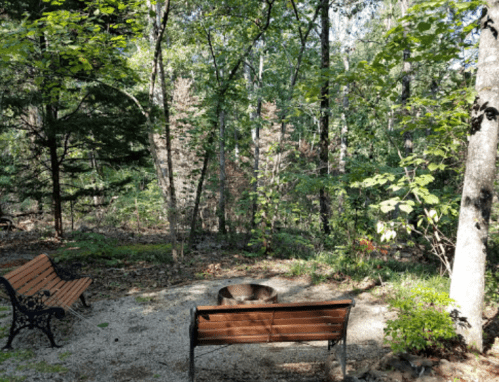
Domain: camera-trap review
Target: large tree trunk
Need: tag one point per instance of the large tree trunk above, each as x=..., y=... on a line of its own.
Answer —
x=324, y=118
x=467, y=285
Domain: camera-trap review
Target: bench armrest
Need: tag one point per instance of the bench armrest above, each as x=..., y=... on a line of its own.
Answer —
x=70, y=272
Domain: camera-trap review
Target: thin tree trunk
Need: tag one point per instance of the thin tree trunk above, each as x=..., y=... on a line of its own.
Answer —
x=256, y=143
x=406, y=82
x=344, y=127
x=172, y=208
x=56, y=186
x=199, y=190
x=344, y=133
x=324, y=118
x=468, y=275
x=221, y=201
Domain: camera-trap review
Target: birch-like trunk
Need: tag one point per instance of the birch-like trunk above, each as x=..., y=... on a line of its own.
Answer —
x=406, y=82
x=468, y=281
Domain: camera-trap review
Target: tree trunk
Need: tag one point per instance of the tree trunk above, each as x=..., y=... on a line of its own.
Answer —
x=172, y=202
x=467, y=282
x=199, y=189
x=344, y=127
x=56, y=187
x=221, y=201
x=324, y=118
x=406, y=82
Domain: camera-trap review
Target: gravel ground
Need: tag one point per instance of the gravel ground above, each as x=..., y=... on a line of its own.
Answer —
x=147, y=340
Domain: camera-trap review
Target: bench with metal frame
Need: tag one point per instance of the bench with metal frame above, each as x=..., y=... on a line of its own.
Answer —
x=39, y=290
x=265, y=323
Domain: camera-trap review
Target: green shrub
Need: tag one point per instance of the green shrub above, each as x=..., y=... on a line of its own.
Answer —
x=97, y=246
x=422, y=321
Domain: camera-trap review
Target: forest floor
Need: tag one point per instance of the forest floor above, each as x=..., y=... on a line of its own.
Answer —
x=146, y=307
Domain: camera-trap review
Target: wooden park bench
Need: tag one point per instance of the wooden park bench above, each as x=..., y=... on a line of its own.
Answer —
x=265, y=323
x=39, y=290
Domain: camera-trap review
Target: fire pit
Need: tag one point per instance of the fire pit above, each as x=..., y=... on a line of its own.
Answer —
x=247, y=294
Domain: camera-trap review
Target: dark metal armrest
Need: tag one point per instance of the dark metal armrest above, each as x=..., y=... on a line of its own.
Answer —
x=70, y=272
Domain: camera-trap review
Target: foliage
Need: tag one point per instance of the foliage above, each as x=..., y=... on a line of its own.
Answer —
x=94, y=246
x=422, y=321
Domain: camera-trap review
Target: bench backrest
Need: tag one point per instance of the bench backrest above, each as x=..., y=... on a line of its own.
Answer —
x=34, y=276
x=217, y=325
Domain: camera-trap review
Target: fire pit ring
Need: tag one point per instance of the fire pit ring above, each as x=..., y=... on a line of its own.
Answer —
x=247, y=294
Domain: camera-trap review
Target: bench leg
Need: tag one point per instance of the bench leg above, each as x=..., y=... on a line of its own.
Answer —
x=82, y=298
x=31, y=320
x=192, y=343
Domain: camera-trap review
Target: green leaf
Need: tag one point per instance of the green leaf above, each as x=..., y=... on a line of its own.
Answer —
x=103, y=325
x=406, y=208
x=423, y=26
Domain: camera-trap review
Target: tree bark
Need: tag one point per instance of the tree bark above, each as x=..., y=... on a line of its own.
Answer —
x=467, y=282
x=172, y=202
x=324, y=118
x=221, y=201
x=406, y=82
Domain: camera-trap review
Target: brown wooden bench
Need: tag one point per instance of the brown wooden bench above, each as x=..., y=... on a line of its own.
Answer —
x=265, y=323
x=39, y=290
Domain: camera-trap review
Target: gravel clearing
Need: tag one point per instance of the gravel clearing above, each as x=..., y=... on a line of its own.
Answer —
x=147, y=339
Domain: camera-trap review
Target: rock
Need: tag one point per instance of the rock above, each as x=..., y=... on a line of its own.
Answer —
x=447, y=368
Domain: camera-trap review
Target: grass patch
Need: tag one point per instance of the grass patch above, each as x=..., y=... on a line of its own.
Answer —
x=43, y=367
x=64, y=355
x=12, y=379
x=144, y=299
x=86, y=246
x=21, y=355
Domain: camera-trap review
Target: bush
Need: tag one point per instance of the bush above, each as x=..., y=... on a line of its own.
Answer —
x=422, y=322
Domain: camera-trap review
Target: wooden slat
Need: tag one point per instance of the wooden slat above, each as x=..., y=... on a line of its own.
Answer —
x=334, y=304
x=28, y=274
x=75, y=291
x=69, y=293
x=246, y=316
x=39, y=260
x=36, y=283
x=273, y=338
x=274, y=329
x=279, y=314
x=206, y=325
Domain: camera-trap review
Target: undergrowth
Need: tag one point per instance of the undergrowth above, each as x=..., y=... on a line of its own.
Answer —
x=94, y=246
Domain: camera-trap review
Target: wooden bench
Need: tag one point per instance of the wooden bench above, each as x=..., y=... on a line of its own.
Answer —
x=265, y=323
x=39, y=290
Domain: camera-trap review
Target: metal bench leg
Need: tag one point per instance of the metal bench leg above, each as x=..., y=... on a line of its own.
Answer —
x=192, y=343
x=82, y=298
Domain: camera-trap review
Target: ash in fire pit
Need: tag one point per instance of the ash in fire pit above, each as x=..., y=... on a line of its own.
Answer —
x=246, y=294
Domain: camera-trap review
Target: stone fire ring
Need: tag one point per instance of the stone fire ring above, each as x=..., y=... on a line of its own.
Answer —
x=246, y=294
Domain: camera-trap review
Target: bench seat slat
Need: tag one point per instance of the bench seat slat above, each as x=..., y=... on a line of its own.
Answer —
x=73, y=292
x=36, y=283
x=274, y=329
x=336, y=304
x=279, y=314
x=14, y=275
x=28, y=275
x=207, y=325
x=273, y=338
